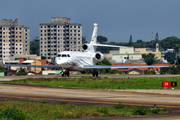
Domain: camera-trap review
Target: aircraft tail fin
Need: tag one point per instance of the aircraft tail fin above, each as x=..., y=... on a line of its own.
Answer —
x=93, y=44
x=94, y=35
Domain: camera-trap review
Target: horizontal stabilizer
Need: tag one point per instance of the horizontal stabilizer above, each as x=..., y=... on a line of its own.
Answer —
x=104, y=45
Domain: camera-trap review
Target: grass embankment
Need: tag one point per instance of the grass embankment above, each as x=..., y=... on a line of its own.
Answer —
x=28, y=110
x=101, y=83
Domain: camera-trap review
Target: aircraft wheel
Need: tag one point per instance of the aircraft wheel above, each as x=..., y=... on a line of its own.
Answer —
x=63, y=75
x=67, y=73
x=96, y=73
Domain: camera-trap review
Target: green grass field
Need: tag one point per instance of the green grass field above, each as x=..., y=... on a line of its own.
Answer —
x=43, y=111
x=101, y=83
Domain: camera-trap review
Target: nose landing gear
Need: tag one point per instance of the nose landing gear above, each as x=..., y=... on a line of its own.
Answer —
x=65, y=73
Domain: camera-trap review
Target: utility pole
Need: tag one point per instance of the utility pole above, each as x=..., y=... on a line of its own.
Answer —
x=157, y=37
x=130, y=41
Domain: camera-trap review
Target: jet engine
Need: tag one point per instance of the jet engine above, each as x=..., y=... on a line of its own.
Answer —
x=99, y=56
x=85, y=47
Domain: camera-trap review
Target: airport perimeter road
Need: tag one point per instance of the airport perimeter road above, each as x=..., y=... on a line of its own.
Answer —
x=9, y=78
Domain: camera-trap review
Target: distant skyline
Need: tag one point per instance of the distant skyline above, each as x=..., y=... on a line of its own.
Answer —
x=116, y=19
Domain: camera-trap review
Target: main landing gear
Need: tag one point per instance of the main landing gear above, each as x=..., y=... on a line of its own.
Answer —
x=65, y=73
x=95, y=73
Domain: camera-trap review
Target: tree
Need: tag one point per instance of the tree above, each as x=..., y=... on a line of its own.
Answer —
x=177, y=60
x=101, y=39
x=157, y=37
x=164, y=70
x=102, y=49
x=2, y=68
x=170, y=57
x=34, y=46
x=43, y=57
x=84, y=39
x=21, y=71
x=149, y=59
x=170, y=43
x=139, y=41
x=104, y=71
x=104, y=62
x=130, y=41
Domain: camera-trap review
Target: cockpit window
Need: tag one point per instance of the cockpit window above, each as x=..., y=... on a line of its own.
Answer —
x=64, y=55
x=59, y=55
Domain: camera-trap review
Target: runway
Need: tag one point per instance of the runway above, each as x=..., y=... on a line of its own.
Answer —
x=92, y=97
x=87, y=97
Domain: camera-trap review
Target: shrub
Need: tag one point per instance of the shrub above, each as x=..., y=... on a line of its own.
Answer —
x=12, y=113
x=103, y=110
x=119, y=106
x=150, y=72
x=142, y=110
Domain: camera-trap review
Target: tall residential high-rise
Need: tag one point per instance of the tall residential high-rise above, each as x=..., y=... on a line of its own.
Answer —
x=59, y=35
x=14, y=38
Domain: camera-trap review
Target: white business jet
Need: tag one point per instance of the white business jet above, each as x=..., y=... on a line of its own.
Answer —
x=82, y=61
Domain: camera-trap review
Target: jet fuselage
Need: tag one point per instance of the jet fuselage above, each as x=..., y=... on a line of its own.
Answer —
x=73, y=60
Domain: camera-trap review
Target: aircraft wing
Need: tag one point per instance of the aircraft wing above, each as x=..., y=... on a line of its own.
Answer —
x=41, y=66
x=133, y=66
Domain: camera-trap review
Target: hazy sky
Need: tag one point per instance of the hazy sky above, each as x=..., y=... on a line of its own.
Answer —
x=117, y=19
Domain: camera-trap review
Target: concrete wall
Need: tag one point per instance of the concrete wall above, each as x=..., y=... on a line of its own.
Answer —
x=1, y=73
x=122, y=58
x=140, y=50
x=126, y=50
x=134, y=73
x=9, y=22
x=36, y=70
x=61, y=20
x=48, y=72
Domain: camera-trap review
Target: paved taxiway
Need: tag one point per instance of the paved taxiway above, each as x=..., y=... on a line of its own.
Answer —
x=9, y=78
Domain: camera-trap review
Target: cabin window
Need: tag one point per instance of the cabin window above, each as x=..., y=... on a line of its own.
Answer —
x=68, y=55
x=59, y=55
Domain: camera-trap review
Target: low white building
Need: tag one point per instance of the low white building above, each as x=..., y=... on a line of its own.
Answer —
x=126, y=54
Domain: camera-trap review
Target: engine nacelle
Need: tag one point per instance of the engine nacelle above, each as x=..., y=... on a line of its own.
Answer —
x=85, y=47
x=99, y=56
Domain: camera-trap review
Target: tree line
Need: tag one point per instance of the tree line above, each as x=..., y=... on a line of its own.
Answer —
x=164, y=44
